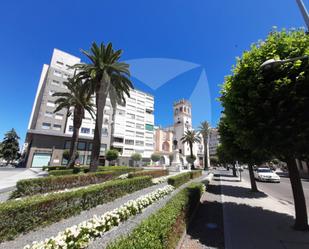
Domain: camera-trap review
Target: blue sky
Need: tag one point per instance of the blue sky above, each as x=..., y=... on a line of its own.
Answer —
x=208, y=33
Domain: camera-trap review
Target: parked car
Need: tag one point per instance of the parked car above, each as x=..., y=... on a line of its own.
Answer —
x=266, y=175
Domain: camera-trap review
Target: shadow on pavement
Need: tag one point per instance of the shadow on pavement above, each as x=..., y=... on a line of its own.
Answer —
x=236, y=191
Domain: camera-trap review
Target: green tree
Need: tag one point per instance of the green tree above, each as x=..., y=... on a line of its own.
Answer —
x=190, y=137
x=79, y=99
x=204, y=129
x=268, y=106
x=136, y=157
x=104, y=74
x=214, y=160
x=112, y=155
x=155, y=157
x=10, y=146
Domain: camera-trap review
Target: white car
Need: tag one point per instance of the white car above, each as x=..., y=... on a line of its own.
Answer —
x=266, y=175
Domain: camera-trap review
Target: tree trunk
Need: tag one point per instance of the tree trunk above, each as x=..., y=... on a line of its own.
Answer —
x=301, y=218
x=101, y=95
x=191, y=155
x=252, y=179
x=206, y=154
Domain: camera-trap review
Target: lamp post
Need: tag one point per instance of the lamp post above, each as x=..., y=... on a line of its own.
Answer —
x=272, y=62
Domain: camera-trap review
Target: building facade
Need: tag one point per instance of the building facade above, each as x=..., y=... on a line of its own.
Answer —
x=214, y=141
x=182, y=116
x=129, y=127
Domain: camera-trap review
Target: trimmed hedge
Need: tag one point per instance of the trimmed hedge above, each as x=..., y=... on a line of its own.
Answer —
x=64, y=167
x=182, y=178
x=53, y=183
x=163, y=229
x=153, y=173
x=60, y=172
x=124, y=169
x=20, y=216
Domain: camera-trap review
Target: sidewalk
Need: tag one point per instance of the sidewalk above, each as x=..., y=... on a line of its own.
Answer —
x=232, y=217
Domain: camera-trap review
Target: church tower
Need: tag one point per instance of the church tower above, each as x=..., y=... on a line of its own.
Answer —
x=182, y=122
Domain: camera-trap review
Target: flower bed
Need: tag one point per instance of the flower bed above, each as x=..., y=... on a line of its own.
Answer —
x=54, y=183
x=159, y=180
x=164, y=228
x=79, y=236
x=153, y=173
x=19, y=216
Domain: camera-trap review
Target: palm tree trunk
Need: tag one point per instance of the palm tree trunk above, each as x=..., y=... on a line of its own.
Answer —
x=77, y=122
x=101, y=96
x=206, y=154
x=252, y=179
x=191, y=155
x=301, y=217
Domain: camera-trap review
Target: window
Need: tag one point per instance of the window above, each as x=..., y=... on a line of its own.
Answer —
x=57, y=73
x=66, y=76
x=140, y=118
x=57, y=127
x=149, y=127
x=106, y=121
x=46, y=126
x=48, y=114
x=103, y=149
x=118, y=139
x=139, y=143
x=85, y=130
x=176, y=111
x=140, y=126
x=104, y=131
x=120, y=112
x=130, y=124
x=92, y=131
x=180, y=109
x=59, y=63
x=59, y=116
x=88, y=160
x=81, y=146
x=140, y=134
x=149, y=144
x=50, y=103
x=67, y=145
x=129, y=133
x=51, y=92
x=131, y=116
x=90, y=146
x=55, y=82
x=80, y=159
x=129, y=141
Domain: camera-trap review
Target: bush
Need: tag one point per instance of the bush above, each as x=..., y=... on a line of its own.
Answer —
x=155, y=157
x=179, y=179
x=182, y=178
x=195, y=174
x=190, y=159
x=153, y=173
x=112, y=155
x=54, y=183
x=124, y=169
x=61, y=172
x=164, y=228
x=20, y=216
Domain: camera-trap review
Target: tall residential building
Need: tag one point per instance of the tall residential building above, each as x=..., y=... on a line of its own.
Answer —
x=49, y=133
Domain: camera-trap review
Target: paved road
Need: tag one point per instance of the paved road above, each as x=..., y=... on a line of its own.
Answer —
x=282, y=190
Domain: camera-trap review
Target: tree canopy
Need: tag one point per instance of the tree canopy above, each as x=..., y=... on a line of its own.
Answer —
x=10, y=146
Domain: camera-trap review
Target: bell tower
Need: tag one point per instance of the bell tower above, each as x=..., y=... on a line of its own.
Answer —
x=182, y=122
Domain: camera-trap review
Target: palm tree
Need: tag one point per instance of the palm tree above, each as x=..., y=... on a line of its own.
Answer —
x=78, y=98
x=103, y=75
x=190, y=137
x=204, y=129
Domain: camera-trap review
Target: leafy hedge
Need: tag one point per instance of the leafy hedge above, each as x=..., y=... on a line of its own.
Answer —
x=53, y=183
x=163, y=229
x=20, y=216
x=153, y=173
x=182, y=178
x=124, y=169
x=60, y=172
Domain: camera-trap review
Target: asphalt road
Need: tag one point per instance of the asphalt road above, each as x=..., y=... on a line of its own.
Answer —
x=282, y=190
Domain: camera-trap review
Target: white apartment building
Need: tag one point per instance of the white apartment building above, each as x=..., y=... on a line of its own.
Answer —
x=49, y=133
x=214, y=141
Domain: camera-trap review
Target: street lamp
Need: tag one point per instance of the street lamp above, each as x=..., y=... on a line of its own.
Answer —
x=272, y=62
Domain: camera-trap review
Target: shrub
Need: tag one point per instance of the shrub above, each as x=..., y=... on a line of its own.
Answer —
x=153, y=173
x=155, y=157
x=195, y=174
x=179, y=179
x=61, y=172
x=112, y=155
x=164, y=228
x=54, y=183
x=190, y=159
x=19, y=216
x=124, y=169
